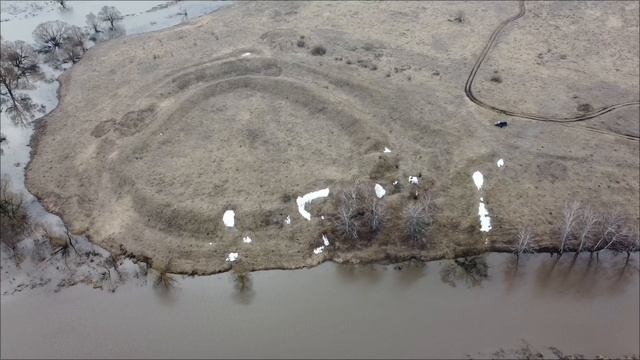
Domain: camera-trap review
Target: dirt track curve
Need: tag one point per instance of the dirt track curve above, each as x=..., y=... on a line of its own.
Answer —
x=468, y=89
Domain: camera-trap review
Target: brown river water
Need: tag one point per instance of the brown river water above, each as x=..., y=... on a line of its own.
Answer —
x=439, y=310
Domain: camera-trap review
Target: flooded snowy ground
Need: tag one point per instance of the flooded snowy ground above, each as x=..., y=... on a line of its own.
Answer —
x=19, y=19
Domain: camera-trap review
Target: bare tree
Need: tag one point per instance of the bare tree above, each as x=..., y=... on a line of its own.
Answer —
x=62, y=3
x=21, y=56
x=418, y=219
x=522, y=242
x=78, y=38
x=571, y=212
x=71, y=53
x=349, y=203
x=14, y=220
x=111, y=15
x=50, y=36
x=587, y=221
x=93, y=22
x=376, y=214
x=8, y=80
x=611, y=228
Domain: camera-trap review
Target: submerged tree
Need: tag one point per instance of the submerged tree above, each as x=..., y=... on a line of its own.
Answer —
x=50, y=36
x=111, y=15
x=471, y=271
x=17, y=62
x=14, y=220
x=78, y=38
x=93, y=22
x=21, y=56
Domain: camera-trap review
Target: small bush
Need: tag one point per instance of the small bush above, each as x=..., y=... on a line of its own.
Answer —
x=418, y=220
x=318, y=50
x=496, y=79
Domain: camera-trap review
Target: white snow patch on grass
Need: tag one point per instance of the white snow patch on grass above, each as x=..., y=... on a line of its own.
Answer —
x=246, y=240
x=232, y=257
x=210, y=244
x=414, y=180
x=485, y=220
x=380, y=191
x=246, y=54
x=387, y=150
x=478, y=179
x=500, y=163
x=303, y=200
x=318, y=250
x=229, y=218
x=395, y=182
x=325, y=240
x=288, y=220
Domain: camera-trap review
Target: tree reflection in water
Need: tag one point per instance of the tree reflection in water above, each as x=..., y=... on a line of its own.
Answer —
x=471, y=271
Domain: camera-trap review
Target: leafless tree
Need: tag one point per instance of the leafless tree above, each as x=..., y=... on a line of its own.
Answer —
x=62, y=3
x=17, y=61
x=610, y=229
x=587, y=223
x=571, y=212
x=14, y=220
x=21, y=56
x=9, y=81
x=418, y=219
x=164, y=280
x=376, y=214
x=78, y=38
x=93, y=22
x=111, y=15
x=522, y=242
x=50, y=36
x=71, y=53
x=348, y=204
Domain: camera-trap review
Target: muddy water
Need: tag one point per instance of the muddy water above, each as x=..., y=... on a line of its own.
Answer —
x=338, y=311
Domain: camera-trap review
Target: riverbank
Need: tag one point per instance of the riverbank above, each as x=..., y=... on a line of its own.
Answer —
x=244, y=119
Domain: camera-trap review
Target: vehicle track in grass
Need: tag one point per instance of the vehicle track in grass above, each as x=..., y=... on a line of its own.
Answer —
x=468, y=89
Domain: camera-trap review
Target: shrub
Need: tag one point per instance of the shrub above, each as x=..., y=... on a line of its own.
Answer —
x=418, y=220
x=318, y=50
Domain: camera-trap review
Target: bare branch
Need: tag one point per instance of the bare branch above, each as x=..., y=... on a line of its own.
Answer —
x=571, y=212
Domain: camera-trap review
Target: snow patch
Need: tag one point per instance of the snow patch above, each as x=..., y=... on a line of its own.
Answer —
x=325, y=240
x=478, y=179
x=485, y=220
x=287, y=220
x=380, y=191
x=500, y=163
x=246, y=240
x=245, y=54
x=229, y=218
x=395, y=182
x=318, y=250
x=386, y=150
x=303, y=200
x=414, y=180
x=232, y=257
x=210, y=244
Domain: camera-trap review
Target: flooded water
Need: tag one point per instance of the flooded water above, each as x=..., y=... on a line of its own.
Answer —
x=585, y=306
